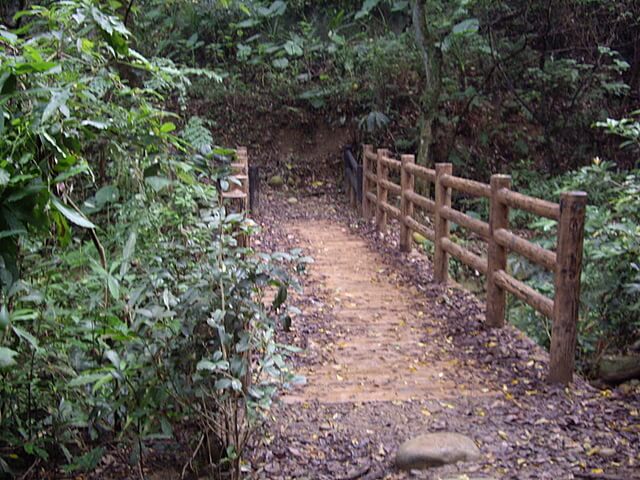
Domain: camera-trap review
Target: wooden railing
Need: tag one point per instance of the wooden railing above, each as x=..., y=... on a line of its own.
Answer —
x=352, y=177
x=244, y=186
x=564, y=263
x=242, y=195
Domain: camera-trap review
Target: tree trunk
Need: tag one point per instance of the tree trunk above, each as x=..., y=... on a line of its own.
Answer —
x=426, y=42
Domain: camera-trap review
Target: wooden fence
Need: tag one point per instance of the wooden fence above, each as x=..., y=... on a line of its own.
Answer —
x=242, y=195
x=564, y=262
x=244, y=186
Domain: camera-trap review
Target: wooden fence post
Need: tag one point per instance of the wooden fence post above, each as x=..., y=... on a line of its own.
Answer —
x=498, y=218
x=254, y=189
x=382, y=193
x=366, y=204
x=443, y=199
x=407, y=184
x=567, y=286
x=345, y=165
x=359, y=184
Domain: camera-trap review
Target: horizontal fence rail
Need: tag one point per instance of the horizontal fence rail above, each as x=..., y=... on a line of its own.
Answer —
x=373, y=191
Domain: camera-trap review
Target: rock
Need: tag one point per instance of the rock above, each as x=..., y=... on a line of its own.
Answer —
x=436, y=449
x=618, y=369
x=418, y=238
x=276, y=181
x=292, y=200
x=627, y=388
x=607, y=452
x=467, y=477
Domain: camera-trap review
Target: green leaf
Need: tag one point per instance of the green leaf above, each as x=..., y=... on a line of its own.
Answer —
x=367, y=6
x=280, y=63
x=8, y=36
x=129, y=247
x=8, y=83
x=221, y=365
x=4, y=178
x=74, y=217
x=95, y=124
x=4, y=317
x=107, y=194
x=470, y=25
x=222, y=384
x=85, y=379
x=113, y=357
x=7, y=357
x=23, y=334
x=114, y=286
x=281, y=297
x=293, y=48
x=58, y=102
x=157, y=183
x=87, y=462
x=167, y=127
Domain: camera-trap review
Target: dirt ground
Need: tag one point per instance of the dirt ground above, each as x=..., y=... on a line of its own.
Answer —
x=388, y=355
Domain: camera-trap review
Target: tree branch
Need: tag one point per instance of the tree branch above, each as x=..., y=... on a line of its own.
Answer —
x=127, y=12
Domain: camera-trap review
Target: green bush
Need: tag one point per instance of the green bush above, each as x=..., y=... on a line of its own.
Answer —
x=610, y=304
x=128, y=310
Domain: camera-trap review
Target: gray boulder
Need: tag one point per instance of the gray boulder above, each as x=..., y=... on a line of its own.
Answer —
x=435, y=450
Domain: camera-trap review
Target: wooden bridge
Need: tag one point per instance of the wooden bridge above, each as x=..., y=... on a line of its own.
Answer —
x=369, y=186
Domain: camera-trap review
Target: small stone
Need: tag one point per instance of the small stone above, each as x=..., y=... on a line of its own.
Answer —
x=435, y=450
x=276, y=181
x=292, y=200
x=467, y=477
x=607, y=452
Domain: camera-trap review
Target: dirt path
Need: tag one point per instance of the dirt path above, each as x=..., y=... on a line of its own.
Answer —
x=389, y=355
x=390, y=348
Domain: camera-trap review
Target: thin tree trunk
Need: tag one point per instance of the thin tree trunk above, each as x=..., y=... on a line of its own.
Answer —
x=432, y=64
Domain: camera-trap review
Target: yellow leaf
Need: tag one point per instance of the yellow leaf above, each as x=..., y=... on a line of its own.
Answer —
x=503, y=435
x=426, y=412
x=597, y=470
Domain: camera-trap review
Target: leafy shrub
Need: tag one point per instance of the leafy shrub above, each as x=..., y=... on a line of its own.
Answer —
x=610, y=304
x=128, y=311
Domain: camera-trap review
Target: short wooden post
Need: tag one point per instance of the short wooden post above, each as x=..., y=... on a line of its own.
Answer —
x=567, y=286
x=407, y=183
x=443, y=199
x=359, y=184
x=382, y=192
x=254, y=189
x=497, y=255
x=366, y=204
x=345, y=165
x=352, y=190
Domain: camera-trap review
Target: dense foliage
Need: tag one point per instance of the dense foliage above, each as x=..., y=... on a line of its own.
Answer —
x=116, y=256
x=129, y=313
